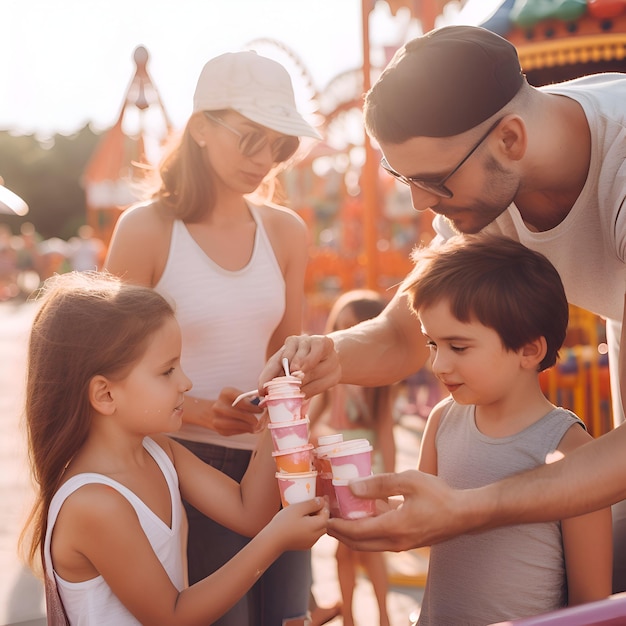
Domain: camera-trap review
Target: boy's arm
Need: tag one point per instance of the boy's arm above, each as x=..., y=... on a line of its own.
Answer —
x=587, y=542
x=384, y=428
x=427, y=461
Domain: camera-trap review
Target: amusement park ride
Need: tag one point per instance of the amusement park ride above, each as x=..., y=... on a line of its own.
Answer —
x=362, y=226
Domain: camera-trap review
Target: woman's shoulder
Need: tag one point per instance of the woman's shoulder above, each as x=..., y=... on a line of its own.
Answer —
x=140, y=244
x=148, y=216
x=279, y=213
x=275, y=214
x=145, y=224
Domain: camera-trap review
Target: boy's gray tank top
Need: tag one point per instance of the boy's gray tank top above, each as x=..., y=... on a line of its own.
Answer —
x=500, y=574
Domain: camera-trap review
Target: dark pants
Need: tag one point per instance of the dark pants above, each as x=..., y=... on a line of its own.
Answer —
x=283, y=590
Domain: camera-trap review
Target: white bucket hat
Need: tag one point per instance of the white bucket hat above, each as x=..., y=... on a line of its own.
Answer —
x=258, y=88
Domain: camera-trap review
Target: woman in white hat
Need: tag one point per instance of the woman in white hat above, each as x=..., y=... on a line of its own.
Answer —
x=235, y=271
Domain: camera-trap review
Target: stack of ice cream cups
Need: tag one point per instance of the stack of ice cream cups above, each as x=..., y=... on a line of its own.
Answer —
x=290, y=436
x=337, y=463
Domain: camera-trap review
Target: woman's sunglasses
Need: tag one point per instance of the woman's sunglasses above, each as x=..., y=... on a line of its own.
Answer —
x=254, y=141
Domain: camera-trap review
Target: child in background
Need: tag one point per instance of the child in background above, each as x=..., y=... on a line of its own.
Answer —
x=104, y=378
x=358, y=412
x=494, y=314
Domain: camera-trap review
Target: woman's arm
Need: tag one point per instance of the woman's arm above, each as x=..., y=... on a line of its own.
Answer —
x=289, y=238
x=139, y=245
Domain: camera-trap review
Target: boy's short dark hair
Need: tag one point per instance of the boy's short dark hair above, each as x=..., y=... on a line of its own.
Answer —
x=497, y=281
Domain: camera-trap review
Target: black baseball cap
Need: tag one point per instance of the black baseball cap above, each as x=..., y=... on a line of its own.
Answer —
x=442, y=84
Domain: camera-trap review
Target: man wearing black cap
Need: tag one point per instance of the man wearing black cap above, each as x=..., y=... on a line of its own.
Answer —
x=482, y=149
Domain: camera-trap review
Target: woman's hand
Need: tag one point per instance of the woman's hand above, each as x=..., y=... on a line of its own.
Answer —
x=219, y=415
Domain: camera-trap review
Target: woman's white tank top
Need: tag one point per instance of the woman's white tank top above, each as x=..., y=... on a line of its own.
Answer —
x=227, y=319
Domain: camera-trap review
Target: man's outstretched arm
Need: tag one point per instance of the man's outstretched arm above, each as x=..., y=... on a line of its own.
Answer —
x=587, y=479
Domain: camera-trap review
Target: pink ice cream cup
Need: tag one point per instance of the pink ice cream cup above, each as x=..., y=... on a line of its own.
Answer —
x=284, y=408
x=293, y=434
x=325, y=482
x=296, y=487
x=325, y=440
x=283, y=385
x=294, y=459
x=351, y=507
x=325, y=471
x=351, y=459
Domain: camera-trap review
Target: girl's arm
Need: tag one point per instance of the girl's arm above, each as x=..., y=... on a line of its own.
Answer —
x=106, y=538
x=587, y=542
x=244, y=508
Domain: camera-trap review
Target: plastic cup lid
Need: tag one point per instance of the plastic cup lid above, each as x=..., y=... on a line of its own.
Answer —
x=288, y=424
x=283, y=396
x=308, y=446
x=282, y=380
x=350, y=444
x=294, y=475
x=338, y=452
x=325, y=440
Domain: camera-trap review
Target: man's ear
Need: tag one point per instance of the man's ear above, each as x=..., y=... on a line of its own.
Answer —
x=100, y=395
x=534, y=352
x=513, y=136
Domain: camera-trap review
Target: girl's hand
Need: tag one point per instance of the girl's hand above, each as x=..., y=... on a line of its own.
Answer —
x=299, y=526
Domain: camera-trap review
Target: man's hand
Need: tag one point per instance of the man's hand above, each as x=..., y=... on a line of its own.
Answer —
x=426, y=515
x=312, y=356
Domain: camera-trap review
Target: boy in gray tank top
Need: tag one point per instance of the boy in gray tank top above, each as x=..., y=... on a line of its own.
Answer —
x=494, y=314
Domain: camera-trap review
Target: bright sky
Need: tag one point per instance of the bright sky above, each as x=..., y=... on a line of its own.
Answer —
x=66, y=63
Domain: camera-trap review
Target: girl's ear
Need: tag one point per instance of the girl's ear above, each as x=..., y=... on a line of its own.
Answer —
x=100, y=395
x=534, y=352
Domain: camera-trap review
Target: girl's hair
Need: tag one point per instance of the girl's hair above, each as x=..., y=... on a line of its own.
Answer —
x=499, y=282
x=365, y=304
x=89, y=323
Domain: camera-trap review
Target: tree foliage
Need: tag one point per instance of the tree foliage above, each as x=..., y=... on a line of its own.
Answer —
x=48, y=175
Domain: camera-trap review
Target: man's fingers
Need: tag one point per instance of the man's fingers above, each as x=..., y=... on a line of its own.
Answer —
x=382, y=485
x=370, y=534
x=309, y=351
